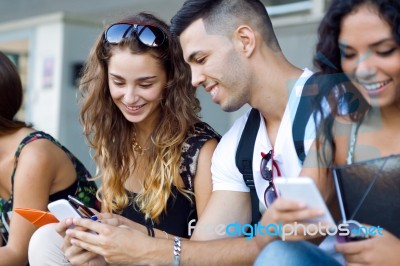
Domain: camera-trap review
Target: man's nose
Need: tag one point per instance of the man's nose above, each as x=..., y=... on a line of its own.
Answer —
x=198, y=77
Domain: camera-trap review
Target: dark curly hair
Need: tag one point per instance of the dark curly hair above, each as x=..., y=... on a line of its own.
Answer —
x=334, y=85
x=327, y=58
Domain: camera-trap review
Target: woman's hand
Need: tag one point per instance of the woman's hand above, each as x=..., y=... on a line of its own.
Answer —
x=114, y=243
x=378, y=250
x=74, y=254
x=62, y=226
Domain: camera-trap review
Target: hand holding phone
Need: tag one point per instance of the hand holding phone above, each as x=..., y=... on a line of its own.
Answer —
x=357, y=232
x=81, y=208
x=304, y=189
x=71, y=208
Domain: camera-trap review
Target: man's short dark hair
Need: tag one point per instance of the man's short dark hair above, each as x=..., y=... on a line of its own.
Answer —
x=224, y=16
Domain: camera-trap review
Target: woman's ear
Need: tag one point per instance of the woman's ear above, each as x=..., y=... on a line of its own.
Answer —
x=245, y=39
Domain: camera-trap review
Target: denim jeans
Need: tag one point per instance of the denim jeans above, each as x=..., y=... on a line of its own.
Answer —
x=294, y=253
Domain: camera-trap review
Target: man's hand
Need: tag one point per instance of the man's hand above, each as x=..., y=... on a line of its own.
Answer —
x=290, y=215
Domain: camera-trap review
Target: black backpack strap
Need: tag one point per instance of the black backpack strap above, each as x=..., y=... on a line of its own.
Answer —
x=303, y=114
x=244, y=159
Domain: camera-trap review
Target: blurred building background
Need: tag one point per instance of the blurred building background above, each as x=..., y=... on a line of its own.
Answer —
x=49, y=41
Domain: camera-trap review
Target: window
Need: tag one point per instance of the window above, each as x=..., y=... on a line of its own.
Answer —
x=283, y=7
x=17, y=51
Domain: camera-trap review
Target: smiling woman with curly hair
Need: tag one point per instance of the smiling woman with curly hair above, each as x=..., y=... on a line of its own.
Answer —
x=140, y=115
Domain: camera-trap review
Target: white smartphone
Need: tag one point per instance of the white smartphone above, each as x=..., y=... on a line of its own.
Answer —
x=62, y=209
x=305, y=190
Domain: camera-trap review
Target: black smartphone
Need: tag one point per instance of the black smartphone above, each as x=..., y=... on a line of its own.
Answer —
x=357, y=232
x=83, y=210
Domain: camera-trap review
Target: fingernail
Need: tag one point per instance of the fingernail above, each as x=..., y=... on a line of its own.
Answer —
x=94, y=218
x=301, y=204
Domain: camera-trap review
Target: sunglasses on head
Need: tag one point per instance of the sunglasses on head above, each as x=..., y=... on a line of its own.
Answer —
x=266, y=165
x=149, y=35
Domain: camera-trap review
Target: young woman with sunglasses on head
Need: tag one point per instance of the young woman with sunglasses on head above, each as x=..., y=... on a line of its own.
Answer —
x=35, y=169
x=141, y=117
x=361, y=40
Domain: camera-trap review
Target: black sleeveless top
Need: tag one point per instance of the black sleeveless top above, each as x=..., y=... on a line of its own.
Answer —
x=180, y=211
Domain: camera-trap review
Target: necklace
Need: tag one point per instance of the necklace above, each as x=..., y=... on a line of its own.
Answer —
x=136, y=146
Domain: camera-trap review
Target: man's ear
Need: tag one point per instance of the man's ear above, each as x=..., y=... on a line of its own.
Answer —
x=246, y=39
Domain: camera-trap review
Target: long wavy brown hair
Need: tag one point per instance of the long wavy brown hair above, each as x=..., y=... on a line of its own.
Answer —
x=110, y=135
